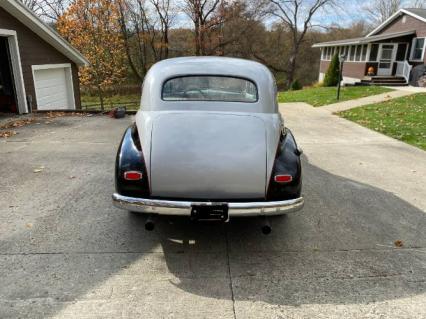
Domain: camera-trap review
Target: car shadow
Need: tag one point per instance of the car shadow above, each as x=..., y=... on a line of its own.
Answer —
x=339, y=250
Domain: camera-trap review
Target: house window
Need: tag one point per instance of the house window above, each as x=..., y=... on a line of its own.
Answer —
x=374, y=52
x=352, y=54
x=358, y=53
x=364, y=53
x=418, y=49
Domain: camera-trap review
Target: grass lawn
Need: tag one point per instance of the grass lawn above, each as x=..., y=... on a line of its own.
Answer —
x=327, y=95
x=131, y=102
x=403, y=118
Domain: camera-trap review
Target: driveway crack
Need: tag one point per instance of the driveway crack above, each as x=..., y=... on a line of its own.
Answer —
x=231, y=287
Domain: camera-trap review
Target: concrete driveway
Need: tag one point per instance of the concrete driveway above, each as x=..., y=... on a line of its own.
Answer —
x=65, y=252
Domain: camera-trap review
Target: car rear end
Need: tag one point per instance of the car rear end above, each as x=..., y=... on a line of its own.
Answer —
x=209, y=144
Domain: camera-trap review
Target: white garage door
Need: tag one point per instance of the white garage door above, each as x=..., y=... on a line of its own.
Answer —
x=53, y=88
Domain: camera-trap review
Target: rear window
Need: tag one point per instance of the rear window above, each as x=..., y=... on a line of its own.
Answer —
x=209, y=88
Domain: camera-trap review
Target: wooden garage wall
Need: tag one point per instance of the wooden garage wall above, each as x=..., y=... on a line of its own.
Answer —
x=35, y=51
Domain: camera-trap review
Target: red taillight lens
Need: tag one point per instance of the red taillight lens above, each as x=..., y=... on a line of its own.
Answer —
x=133, y=176
x=283, y=178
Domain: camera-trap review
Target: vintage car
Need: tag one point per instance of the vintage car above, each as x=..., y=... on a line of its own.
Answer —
x=208, y=143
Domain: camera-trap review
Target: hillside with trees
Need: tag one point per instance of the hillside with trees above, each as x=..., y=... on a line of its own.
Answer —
x=123, y=38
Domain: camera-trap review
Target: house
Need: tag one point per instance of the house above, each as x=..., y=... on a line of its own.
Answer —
x=38, y=69
x=386, y=55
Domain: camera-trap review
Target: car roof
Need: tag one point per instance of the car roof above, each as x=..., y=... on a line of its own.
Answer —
x=221, y=66
x=210, y=65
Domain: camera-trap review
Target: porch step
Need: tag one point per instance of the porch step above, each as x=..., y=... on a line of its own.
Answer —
x=384, y=81
x=381, y=84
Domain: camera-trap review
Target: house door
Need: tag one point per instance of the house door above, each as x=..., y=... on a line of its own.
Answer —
x=386, y=58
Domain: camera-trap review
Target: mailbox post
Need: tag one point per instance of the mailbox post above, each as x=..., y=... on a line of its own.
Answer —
x=342, y=58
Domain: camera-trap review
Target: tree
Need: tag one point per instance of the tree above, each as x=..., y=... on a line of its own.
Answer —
x=132, y=25
x=421, y=4
x=50, y=10
x=200, y=11
x=296, y=17
x=332, y=76
x=380, y=10
x=92, y=27
x=145, y=26
x=165, y=15
x=232, y=25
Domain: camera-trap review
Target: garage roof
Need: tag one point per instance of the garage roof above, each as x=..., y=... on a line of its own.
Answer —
x=28, y=18
x=364, y=40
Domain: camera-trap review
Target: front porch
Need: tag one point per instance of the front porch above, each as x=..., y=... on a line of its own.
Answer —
x=393, y=70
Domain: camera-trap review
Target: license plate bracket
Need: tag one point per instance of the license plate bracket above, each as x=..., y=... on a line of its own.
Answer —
x=210, y=212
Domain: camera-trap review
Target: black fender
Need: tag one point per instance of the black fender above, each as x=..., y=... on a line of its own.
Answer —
x=130, y=158
x=287, y=162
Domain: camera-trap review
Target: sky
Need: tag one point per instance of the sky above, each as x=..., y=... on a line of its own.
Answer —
x=350, y=12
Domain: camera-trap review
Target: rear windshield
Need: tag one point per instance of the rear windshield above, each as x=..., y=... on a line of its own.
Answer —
x=209, y=88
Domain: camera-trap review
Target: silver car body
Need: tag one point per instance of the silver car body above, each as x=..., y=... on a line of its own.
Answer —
x=208, y=150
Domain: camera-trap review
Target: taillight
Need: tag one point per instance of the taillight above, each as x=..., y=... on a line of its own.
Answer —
x=282, y=179
x=133, y=176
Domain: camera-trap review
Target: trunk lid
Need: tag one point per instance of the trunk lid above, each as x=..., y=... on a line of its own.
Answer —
x=203, y=155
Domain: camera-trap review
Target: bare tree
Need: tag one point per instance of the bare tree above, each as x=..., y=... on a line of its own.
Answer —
x=145, y=26
x=34, y=5
x=135, y=28
x=230, y=25
x=200, y=11
x=380, y=10
x=165, y=13
x=50, y=10
x=296, y=16
x=421, y=4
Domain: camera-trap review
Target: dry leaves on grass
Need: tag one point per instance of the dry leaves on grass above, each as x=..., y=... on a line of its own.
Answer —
x=6, y=134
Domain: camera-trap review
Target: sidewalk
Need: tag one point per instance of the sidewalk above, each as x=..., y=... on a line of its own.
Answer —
x=346, y=105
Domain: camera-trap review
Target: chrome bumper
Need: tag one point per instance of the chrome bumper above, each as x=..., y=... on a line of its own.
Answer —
x=183, y=208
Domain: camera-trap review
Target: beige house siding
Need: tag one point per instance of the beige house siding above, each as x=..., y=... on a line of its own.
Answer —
x=411, y=23
x=350, y=69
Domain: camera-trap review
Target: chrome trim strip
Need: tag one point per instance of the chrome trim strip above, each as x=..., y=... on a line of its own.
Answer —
x=183, y=208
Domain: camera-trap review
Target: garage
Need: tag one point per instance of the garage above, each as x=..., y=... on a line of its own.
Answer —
x=39, y=69
x=53, y=87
